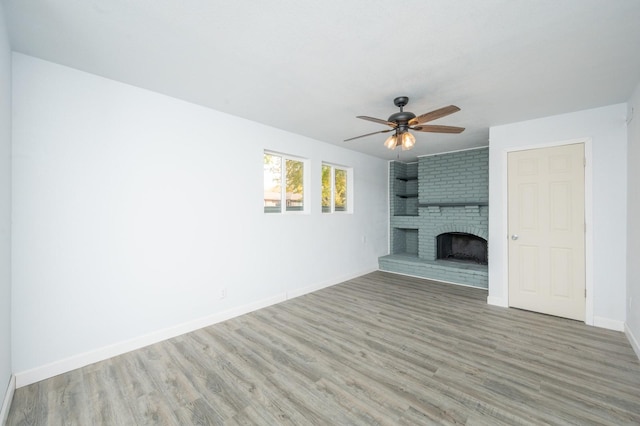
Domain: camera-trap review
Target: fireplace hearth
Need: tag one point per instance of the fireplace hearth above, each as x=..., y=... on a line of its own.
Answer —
x=462, y=247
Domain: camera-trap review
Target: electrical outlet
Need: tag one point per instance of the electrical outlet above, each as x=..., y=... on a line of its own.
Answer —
x=223, y=293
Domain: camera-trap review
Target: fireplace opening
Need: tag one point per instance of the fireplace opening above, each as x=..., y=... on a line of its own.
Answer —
x=462, y=247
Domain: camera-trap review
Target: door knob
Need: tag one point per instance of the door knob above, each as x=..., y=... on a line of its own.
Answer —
x=514, y=237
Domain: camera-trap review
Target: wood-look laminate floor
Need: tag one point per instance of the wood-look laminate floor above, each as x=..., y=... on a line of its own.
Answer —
x=380, y=349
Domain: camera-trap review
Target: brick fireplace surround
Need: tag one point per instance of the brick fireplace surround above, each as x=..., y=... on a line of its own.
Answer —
x=438, y=194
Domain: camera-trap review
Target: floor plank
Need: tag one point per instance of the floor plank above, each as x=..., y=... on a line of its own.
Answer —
x=381, y=349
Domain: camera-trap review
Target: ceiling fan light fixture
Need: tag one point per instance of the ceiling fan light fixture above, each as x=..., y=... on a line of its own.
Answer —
x=408, y=141
x=403, y=121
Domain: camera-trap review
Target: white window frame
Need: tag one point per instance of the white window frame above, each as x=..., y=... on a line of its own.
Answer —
x=306, y=176
x=350, y=197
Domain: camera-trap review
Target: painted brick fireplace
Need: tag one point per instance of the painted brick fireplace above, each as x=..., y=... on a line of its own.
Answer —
x=440, y=194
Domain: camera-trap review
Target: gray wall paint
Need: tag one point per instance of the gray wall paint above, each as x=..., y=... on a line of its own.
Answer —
x=456, y=177
x=5, y=208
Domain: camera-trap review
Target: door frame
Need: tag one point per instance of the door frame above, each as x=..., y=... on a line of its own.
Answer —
x=588, y=216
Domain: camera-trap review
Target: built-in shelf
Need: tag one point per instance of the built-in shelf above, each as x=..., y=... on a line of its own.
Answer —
x=456, y=204
x=403, y=186
x=404, y=241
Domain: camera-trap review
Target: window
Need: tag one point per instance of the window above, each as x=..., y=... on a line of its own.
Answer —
x=283, y=185
x=335, y=189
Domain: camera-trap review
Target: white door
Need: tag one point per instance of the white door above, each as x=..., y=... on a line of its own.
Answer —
x=547, y=230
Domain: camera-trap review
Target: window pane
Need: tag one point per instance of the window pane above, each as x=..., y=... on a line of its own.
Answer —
x=341, y=190
x=295, y=185
x=326, y=189
x=272, y=183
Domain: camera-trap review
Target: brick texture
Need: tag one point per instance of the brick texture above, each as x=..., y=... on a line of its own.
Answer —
x=459, y=177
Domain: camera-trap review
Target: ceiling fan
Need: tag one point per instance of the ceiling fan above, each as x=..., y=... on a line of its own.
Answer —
x=403, y=121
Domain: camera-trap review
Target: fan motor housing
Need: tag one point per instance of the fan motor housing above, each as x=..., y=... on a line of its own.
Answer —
x=401, y=117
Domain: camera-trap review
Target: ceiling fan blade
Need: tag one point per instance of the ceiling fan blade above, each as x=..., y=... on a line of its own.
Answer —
x=378, y=120
x=433, y=115
x=438, y=129
x=369, y=134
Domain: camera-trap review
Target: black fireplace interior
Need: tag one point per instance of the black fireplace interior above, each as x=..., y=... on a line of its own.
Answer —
x=462, y=247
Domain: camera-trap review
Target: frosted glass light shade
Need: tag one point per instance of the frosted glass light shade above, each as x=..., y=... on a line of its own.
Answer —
x=390, y=142
x=408, y=141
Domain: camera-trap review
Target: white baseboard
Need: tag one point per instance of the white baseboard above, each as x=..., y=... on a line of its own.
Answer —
x=34, y=375
x=497, y=301
x=37, y=374
x=8, y=398
x=325, y=284
x=608, y=323
x=632, y=340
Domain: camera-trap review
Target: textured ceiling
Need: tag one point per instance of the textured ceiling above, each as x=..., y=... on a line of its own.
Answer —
x=310, y=67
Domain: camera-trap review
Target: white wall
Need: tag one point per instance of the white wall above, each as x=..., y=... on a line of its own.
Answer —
x=132, y=210
x=633, y=224
x=606, y=176
x=5, y=209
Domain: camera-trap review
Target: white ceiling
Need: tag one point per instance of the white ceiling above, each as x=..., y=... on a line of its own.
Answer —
x=310, y=67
